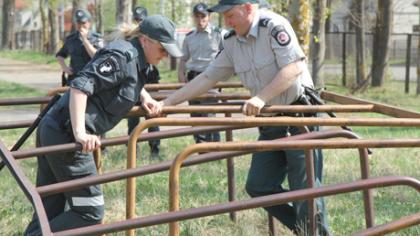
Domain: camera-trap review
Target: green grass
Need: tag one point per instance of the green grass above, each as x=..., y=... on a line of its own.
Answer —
x=29, y=56
x=206, y=184
x=14, y=90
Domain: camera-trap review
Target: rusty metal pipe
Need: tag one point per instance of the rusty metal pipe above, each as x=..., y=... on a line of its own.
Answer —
x=257, y=202
x=379, y=107
x=15, y=124
x=137, y=111
x=27, y=188
x=403, y=222
x=173, y=86
x=21, y=154
x=230, y=166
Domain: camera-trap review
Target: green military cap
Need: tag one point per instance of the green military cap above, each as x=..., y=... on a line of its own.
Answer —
x=161, y=29
x=82, y=15
x=225, y=5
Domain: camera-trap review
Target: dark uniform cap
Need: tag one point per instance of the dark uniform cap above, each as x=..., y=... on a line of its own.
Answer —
x=225, y=5
x=139, y=13
x=162, y=29
x=201, y=8
x=82, y=15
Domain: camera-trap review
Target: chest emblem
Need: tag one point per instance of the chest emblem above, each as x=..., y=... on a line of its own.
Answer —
x=108, y=66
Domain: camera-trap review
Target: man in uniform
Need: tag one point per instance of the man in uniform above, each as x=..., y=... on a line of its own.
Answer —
x=81, y=45
x=263, y=50
x=153, y=77
x=199, y=49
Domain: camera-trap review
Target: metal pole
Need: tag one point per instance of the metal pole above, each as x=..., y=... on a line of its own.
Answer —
x=408, y=63
x=344, y=55
x=230, y=164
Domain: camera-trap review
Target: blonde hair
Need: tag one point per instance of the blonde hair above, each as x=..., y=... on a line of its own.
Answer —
x=124, y=31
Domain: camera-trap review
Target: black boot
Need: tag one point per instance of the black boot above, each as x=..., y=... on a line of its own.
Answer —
x=154, y=151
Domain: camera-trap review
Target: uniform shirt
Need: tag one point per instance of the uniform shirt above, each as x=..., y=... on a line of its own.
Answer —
x=73, y=47
x=112, y=80
x=270, y=45
x=200, y=48
x=152, y=75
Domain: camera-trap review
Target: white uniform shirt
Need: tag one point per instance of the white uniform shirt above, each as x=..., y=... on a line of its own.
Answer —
x=270, y=45
x=200, y=48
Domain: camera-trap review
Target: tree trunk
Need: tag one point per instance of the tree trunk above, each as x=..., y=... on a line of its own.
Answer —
x=381, y=41
x=123, y=11
x=99, y=17
x=53, y=19
x=45, y=26
x=133, y=4
x=358, y=23
x=300, y=17
x=8, y=32
x=318, y=43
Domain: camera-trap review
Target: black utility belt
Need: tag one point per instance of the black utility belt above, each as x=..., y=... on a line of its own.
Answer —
x=192, y=74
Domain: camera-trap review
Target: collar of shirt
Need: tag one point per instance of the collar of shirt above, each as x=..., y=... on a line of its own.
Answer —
x=208, y=29
x=253, y=30
x=142, y=58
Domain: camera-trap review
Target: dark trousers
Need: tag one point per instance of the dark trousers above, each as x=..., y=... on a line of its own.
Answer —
x=134, y=121
x=269, y=170
x=77, y=208
x=209, y=137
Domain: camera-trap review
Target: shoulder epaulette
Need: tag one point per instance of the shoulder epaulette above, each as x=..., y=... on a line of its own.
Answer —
x=229, y=34
x=192, y=31
x=264, y=22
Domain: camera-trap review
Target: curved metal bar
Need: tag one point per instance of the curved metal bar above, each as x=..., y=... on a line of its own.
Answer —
x=257, y=202
x=244, y=122
x=403, y=222
x=264, y=146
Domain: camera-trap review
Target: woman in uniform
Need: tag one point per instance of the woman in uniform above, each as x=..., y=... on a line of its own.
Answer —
x=99, y=97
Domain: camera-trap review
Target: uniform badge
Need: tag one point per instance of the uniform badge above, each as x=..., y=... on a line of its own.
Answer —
x=281, y=36
x=109, y=66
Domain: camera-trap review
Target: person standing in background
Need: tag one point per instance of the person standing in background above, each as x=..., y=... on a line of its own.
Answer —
x=80, y=46
x=200, y=47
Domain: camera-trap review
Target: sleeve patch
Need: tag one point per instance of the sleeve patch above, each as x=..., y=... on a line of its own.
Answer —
x=108, y=66
x=281, y=36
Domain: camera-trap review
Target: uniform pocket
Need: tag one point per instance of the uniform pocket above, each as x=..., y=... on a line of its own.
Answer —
x=79, y=164
x=122, y=103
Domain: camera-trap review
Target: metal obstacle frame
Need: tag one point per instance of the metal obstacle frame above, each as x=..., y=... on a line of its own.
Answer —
x=359, y=106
